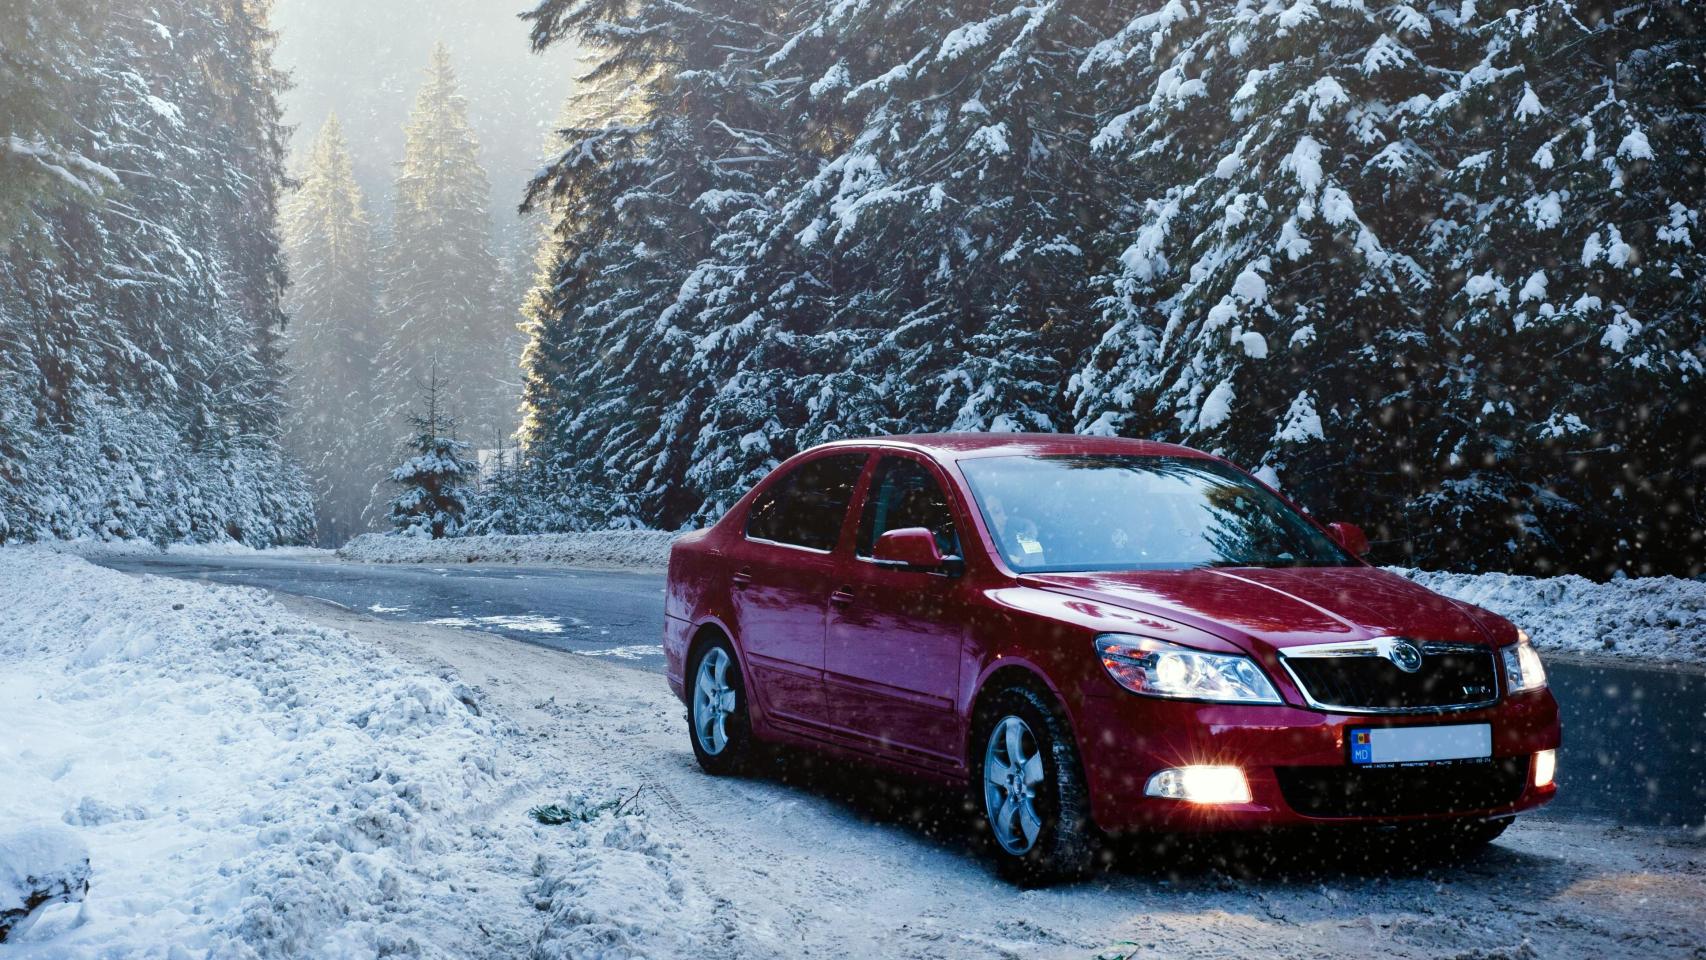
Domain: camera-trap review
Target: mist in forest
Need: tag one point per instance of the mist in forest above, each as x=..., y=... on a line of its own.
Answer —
x=366, y=61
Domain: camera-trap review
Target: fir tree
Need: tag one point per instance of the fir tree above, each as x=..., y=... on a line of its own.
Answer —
x=139, y=370
x=440, y=298
x=50, y=58
x=334, y=337
x=669, y=150
x=435, y=479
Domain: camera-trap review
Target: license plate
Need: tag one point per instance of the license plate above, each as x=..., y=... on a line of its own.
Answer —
x=1464, y=741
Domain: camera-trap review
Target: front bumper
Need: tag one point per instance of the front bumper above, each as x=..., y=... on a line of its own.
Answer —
x=1286, y=749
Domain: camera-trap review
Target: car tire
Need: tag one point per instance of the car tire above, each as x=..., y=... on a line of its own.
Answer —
x=719, y=725
x=1035, y=814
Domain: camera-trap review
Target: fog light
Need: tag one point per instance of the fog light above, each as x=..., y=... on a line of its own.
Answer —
x=1545, y=766
x=1200, y=784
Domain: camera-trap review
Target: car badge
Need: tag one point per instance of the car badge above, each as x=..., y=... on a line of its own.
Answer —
x=1404, y=655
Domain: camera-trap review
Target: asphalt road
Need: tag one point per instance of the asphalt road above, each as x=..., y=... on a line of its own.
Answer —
x=1634, y=736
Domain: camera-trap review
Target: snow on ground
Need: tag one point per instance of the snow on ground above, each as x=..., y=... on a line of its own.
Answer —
x=224, y=548
x=805, y=860
x=622, y=549
x=1658, y=618
x=40, y=864
x=248, y=784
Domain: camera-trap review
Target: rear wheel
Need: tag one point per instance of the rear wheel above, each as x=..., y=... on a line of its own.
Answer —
x=1030, y=789
x=718, y=722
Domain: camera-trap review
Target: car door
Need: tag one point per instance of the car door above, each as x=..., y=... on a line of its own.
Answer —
x=781, y=573
x=893, y=642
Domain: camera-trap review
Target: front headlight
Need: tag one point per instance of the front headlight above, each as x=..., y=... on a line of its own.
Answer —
x=1159, y=669
x=1522, y=666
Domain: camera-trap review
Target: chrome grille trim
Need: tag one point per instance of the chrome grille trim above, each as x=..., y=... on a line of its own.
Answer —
x=1380, y=647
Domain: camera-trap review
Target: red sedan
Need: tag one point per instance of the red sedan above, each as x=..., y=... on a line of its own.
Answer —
x=1098, y=634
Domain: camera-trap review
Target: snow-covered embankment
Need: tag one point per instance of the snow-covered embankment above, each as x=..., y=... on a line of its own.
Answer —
x=244, y=783
x=1652, y=618
x=622, y=549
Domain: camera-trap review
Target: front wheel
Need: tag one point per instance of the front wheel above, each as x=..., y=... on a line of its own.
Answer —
x=719, y=725
x=1030, y=788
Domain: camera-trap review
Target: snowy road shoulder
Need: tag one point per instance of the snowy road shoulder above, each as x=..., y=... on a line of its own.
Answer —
x=1646, y=618
x=605, y=549
x=249, y=784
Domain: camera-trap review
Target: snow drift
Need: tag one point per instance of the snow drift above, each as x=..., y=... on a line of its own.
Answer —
x=39, y=865
x=242, y=783
x=1659, y=618
x=627, y=549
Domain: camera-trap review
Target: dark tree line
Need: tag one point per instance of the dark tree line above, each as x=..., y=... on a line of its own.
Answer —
x=141, y=163
x=1433, y=267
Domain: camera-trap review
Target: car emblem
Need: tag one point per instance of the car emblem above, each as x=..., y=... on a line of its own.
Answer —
x=1404, y=655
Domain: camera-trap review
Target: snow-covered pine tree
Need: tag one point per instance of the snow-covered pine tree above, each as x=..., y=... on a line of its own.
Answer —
x=928, y=271
x=440, y=298
x=138, y=366
x=1272, y=299
x=51, y=51
x=670, y=149
x=436, y=477
x=1571, y=272
x=334, y=337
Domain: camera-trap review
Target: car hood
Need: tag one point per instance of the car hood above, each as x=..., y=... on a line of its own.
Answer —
x=1258, y=607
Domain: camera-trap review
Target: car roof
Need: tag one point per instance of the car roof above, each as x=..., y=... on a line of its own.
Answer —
x=964, y=446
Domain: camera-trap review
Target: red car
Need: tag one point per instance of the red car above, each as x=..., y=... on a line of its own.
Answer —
x=1098, y=634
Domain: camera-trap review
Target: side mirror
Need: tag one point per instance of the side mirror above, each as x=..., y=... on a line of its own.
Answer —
x=913, y=548
x=1350, y=536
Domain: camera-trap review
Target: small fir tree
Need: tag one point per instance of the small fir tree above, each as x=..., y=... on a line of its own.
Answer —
x=434, y=499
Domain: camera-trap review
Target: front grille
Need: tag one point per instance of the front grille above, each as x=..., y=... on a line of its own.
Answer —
x=1450, y=677
x=1403, y=791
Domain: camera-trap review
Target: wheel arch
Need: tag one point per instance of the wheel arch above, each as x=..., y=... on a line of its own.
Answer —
x=709, y=631
x=1004, y=676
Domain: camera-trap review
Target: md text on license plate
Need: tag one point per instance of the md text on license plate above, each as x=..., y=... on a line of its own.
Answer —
x=1384, y=745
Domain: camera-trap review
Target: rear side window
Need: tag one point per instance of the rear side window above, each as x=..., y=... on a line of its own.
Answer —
x=806, y=507
x=904, y=493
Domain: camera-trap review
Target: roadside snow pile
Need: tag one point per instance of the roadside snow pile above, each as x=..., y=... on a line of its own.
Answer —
x=39, y=865
x=227, y=780
x=223, y=548
x=1660, y=618
x=247, y=784
x=627, y=549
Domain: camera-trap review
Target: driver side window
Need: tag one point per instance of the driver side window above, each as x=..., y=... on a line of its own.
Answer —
x=904, y=493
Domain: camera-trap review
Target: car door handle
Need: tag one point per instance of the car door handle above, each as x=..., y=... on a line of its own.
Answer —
x=742, y=577
x=842, y=597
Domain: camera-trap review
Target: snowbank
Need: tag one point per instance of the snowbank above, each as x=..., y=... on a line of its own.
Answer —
x=248, y=784
x=242, y=779
x=627, y=549
x=39, y=865
x=223, y=548
x=1660, y=618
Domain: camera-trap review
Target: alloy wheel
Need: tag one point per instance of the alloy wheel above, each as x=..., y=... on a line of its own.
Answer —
x=1012, y=778
x=713, y=702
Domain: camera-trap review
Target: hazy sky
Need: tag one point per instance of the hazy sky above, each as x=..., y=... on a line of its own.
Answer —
x=365, y=58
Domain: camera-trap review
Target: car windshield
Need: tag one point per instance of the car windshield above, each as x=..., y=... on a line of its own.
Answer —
x=1059, y=513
